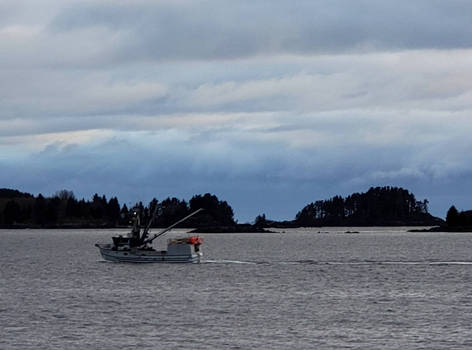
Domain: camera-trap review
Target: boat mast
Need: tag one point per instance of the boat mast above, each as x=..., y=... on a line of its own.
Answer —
x=170, y=227
x=146, y=230
x=136, y=230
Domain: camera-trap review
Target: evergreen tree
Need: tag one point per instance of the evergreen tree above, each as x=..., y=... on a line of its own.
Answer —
x=216, y=212
x=72, y=208
x=124, y=215
x=452, y=217
x=113, y=211
x=260, y=221
x=98, y=207
x=11, y=213
x=171, y=210
x=52, y=210
x=39, y=210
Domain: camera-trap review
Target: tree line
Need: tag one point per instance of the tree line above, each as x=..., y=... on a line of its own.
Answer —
x=63, y=209
x=379, y=206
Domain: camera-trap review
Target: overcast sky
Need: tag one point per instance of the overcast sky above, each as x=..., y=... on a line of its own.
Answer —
x=269, y=105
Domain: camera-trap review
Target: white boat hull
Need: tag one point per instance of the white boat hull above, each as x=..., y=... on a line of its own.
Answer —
x=135, y=255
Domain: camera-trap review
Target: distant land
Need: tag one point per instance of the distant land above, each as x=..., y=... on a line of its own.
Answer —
x=379, y=206
x=455, y=222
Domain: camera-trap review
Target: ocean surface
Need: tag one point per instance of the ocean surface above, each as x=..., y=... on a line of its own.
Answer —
x=381, y=288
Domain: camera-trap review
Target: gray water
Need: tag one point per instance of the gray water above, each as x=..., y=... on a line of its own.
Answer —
x=302, y=289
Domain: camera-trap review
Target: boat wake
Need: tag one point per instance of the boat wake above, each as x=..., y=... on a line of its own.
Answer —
x=398, y=263
x=316, y=262
x=230, y=262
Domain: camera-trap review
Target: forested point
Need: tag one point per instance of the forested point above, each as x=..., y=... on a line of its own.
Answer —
x=19, y=209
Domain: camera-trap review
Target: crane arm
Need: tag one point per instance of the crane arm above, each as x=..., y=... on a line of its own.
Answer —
x=149, y=240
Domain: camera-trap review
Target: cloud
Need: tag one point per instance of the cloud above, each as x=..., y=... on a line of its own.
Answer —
x=226, y=29
x=286, y=102
x=396, y=82
x=103, y=33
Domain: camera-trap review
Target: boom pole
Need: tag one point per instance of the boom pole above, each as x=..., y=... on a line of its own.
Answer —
x=171, y=226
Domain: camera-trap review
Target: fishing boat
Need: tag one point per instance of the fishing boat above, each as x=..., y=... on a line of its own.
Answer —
x=136, y=246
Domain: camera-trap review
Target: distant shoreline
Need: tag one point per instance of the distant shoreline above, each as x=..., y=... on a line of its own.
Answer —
x=443, y=229
x=241, y=228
